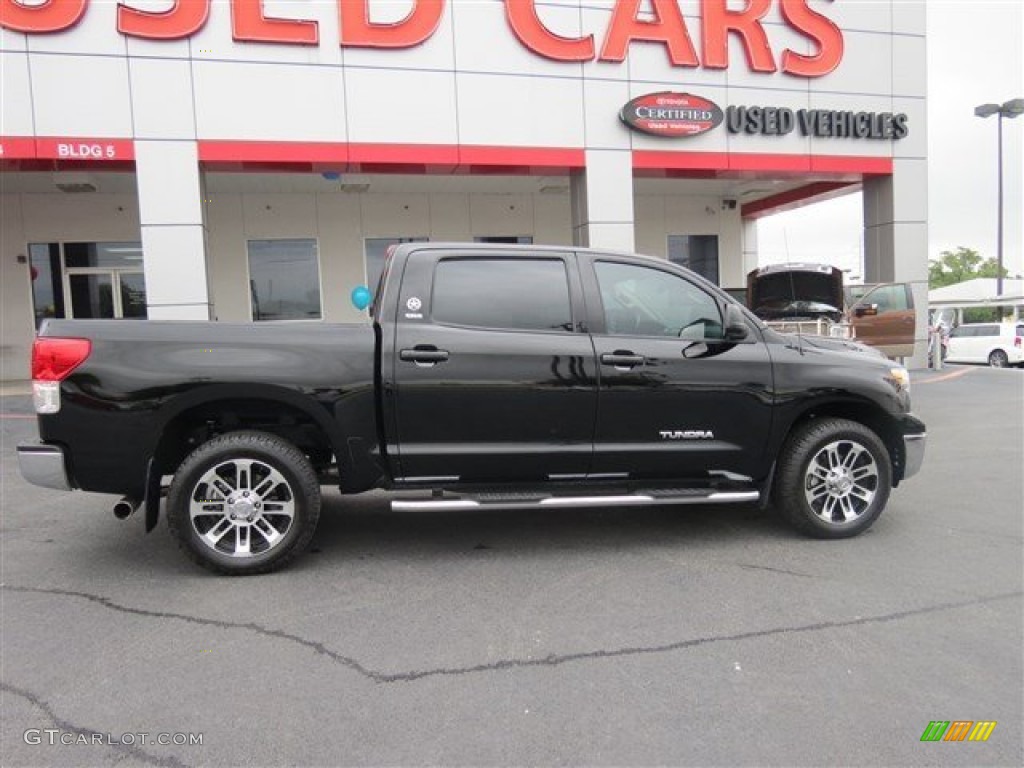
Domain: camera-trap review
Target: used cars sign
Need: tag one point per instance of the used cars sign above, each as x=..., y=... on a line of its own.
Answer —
x=671, y=114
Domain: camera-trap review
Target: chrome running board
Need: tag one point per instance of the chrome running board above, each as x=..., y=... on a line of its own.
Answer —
x=540, y=501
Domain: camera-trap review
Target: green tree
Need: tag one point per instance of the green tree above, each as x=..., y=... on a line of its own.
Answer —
x=959, y=265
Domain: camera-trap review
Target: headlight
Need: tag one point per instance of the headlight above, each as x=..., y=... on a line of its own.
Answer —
x=899, y=377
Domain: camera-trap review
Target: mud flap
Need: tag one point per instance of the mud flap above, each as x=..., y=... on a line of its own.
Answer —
x=151, y=501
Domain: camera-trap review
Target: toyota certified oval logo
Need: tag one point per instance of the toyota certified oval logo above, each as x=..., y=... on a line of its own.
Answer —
x=671, y=114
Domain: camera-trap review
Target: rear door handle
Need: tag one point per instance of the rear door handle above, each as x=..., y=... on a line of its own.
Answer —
x=424, y=355
x=623, y=361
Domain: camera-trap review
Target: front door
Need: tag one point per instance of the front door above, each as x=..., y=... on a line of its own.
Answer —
x=891, y=327
x=675, y=400
x=494, y=376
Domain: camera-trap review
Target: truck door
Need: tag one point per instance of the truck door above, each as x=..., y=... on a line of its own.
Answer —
x=884, y=317
x=676, y=400
x=494, y=375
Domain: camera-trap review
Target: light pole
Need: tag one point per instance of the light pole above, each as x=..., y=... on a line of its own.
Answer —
x=1011, y=109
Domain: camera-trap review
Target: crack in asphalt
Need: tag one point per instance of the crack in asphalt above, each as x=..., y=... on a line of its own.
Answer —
x=552, y=660
x=125, y=750
x=776, y=570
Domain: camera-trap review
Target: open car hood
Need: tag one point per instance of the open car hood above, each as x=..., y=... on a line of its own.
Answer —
x=792, y=291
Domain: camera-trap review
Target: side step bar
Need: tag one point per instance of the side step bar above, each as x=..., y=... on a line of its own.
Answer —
x=494, y=501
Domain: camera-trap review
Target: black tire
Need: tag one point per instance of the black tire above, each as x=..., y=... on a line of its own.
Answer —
x=998, y=359
x=232, y=514
x=814, y=489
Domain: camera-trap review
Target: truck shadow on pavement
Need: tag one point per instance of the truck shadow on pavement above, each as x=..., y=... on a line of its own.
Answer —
x=368, y=527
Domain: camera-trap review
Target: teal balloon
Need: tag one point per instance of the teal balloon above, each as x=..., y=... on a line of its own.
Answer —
x=361, y=297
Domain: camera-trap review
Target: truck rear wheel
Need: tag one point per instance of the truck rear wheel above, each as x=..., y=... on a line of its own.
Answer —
x=244, y=503
x=833, y=478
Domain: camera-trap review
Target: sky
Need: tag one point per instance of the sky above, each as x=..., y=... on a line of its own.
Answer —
x=974, y=57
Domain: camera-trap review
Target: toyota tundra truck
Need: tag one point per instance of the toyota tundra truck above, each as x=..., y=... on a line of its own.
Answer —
x=489, y=376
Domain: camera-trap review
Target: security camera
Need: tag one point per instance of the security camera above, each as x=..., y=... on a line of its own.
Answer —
x=728, y=204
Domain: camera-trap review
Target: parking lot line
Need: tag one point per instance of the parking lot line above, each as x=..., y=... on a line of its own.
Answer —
x=946, y=376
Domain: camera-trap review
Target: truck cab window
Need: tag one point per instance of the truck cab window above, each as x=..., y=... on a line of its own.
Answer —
x=513, y=294
x=640, y=301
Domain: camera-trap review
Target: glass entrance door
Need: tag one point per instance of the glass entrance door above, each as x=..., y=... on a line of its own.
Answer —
x=105, y=293
x=92, y=295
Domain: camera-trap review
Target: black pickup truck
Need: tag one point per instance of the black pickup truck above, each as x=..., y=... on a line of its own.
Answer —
x=490, y=376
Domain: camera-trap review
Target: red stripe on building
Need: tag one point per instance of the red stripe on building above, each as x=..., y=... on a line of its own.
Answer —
x=213, y=151
x=724, y=163
x=868, y=166
x=90, y=150
x=17, y=148
x=797, y=198
x=393, y=158
x=522, y=157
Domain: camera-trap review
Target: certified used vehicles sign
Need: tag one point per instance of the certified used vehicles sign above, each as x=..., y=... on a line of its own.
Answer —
x=671, y=114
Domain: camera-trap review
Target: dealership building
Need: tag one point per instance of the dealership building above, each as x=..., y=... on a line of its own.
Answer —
x=251, y=161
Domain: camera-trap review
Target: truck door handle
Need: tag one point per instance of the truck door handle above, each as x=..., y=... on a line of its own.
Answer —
x=623, y=361
x=424, y=355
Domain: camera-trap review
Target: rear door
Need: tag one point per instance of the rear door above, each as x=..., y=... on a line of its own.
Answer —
x=494, y=377
x=676, y=400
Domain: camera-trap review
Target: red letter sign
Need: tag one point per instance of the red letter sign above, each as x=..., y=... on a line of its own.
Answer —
x=49, y=16
x=668, y=28
x=358, y=30
x=522, y=17
x=248, y=23
x=822, y=31
x=718, y=21
x=182, y=19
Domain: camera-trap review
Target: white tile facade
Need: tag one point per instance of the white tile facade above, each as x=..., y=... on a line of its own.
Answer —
x=472, y=83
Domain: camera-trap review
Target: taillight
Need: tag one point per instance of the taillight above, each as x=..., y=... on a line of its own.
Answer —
x=1016, y=341
x=53, y=360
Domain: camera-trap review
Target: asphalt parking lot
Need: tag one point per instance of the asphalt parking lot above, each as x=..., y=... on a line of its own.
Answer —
x=663, y=636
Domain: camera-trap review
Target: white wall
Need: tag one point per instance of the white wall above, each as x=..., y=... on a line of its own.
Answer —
x=472, y=83
x=658, y=216
x=340, y=222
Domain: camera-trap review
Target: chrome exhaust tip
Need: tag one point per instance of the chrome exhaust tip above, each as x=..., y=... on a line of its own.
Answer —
x=125, y=508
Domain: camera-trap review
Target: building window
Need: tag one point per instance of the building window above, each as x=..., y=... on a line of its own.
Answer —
x=513, y=294
x=284, y=279
x=47, y=290
x=87, y=280
x=376, y=252
x=696, y=252
x=103, y=256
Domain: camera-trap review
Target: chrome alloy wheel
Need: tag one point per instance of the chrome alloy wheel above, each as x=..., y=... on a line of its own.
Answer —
x=841, y=481
x=242, y=508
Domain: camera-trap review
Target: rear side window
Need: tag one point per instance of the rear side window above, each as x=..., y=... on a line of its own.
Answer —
x=513, y=294
x=975, y=331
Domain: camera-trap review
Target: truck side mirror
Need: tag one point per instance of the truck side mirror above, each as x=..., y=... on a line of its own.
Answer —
x=865, y=310
x=361, y=297
x=736, y=328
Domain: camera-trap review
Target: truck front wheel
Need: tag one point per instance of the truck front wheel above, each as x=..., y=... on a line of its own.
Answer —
x=244, y=503
x=834, y=478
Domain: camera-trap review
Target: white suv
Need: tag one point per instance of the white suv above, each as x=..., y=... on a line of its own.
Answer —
x=998, y=344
